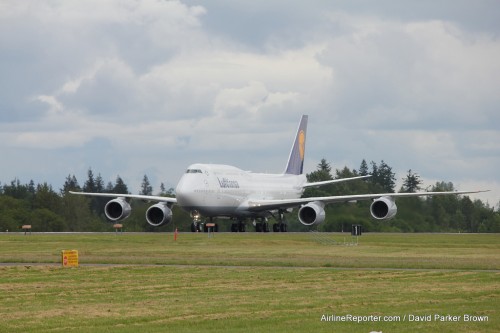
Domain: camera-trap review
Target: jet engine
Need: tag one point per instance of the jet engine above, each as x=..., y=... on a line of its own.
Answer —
x=159, y=214
x=383, y=208
x=117, y=209
x=312, y=213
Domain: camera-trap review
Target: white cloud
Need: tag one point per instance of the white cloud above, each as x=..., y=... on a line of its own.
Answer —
x=413, y=74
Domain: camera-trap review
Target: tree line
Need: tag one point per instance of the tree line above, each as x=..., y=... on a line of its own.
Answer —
x=49, y=210
x=449, y=213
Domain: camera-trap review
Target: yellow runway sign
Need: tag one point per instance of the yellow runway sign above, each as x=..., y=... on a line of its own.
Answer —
x=69, y=258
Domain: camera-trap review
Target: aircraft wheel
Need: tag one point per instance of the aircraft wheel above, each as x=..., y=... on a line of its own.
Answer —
x=276, y=227
x=258, y=227
x=193, y=227
x=234, y=227
x=283, y=227
x=265, y=227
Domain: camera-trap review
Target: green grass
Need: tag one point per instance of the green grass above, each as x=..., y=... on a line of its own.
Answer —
x=451, y=251
x=248, y=283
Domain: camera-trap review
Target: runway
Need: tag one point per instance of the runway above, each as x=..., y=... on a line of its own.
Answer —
x=382, y=269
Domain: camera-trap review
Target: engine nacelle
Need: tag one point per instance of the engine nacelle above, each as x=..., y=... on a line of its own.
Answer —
x=159, y=214
x=383, y=208
x=117, y=209
x=312, y=213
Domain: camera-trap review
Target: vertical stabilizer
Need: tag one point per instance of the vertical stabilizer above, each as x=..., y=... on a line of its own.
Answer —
x=295, y=164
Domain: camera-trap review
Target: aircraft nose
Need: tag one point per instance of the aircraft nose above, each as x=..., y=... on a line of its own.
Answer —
x=184, y=192
x=180, y=191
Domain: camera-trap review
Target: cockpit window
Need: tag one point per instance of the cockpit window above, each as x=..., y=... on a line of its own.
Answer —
x=193, y=171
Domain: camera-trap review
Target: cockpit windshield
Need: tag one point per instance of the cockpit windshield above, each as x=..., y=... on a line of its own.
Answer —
x=193, y=171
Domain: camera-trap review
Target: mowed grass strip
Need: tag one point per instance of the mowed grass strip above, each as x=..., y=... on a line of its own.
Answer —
x=422, y=251
x=241, y=299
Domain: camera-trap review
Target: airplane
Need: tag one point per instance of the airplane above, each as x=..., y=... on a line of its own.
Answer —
x=217, y=191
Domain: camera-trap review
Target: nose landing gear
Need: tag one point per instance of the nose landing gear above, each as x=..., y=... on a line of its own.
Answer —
x=198, y=226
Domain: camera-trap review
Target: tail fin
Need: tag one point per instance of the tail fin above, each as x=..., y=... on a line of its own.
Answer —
x=295, y=165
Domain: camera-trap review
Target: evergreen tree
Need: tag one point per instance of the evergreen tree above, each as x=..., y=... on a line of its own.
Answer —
x=146, y=188
x=322, y=172
x=411, y=183
x=363, y=168
x=120, y=187
x=387, y=177
x=31, y=187
x=348, y=187
x=375, y=176
x=46, y=198
x=90, y=184
x=70, y=184
x=95, y=185
x=110, y=187
x=443, y=187
x=17, y=190
x=99, y=184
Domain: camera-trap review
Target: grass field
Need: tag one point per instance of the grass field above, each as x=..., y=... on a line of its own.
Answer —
x=251, y=283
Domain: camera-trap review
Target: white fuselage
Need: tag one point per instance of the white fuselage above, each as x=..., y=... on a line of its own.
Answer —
x=222, y=190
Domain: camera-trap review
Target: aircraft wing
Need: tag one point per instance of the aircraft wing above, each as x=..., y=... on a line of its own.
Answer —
x=262, y=205
x=129, y=196
x=333, y=181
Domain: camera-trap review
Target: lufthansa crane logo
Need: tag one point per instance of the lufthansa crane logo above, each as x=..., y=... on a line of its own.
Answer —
x=302, y=143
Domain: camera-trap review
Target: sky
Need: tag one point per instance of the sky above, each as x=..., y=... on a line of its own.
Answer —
x=130, y=87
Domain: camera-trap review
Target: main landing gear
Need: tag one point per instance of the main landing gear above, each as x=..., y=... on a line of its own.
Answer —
x=261, y=225
x=280, y=226
x=239, y=226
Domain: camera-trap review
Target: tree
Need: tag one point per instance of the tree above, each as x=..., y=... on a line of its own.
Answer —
x=323, y=172
x=146, y=188
x=17, y=190
x=14, y=213
x=110, y=187
x=382, y=179
x=90, y=185
x=78, y=216
x=467, y=208
x=46, y=198
x=44, y=219
x=95, y=185
x=357, y=186
x=71, y=184
x=411, y=183
x=443, y=187
x=120, y=186
x=387, y=177
x=99, y=184
x=363, y=168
